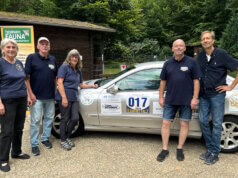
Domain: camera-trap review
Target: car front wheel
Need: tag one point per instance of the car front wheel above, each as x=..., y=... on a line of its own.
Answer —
x=78, y=129
x=229, y=138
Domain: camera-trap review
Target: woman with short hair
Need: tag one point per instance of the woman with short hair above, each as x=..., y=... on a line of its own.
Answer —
x=13, y=104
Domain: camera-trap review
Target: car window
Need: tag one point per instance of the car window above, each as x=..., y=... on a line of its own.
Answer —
x=143, y=80
x=104, y=81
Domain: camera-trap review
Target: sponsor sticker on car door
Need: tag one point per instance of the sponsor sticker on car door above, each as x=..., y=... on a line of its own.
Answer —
x=157, y=109
x=110, y=104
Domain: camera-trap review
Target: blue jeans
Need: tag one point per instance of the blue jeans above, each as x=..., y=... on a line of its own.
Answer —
x=213, y=105
x=48, y=108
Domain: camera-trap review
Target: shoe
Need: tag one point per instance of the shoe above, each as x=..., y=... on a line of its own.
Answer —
x=163, y=154
x=47, y=144
x=4, y=167
x=70, y=142
x=212, y=159
x=21, y=156
x=205, y=155
x=65, y=145
x=35, y=151
x=180, y=155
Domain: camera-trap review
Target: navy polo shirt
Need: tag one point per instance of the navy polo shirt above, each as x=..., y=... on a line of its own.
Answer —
x=42, y=73
x=214, y=72
x=12, y=80
x=179, y=76
x=72, y=79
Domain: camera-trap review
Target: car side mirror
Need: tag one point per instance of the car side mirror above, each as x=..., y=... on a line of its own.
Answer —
x=113, y=89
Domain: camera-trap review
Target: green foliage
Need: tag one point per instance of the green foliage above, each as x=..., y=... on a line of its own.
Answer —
x=92, y=11
x=233, y=4
x=4, y=4
x=143, y=27
x=146, y=47
x=34, y=7
x=229, y=39
x=147, y=50
x=165, y=53
x=168, y=20
x=64, y=7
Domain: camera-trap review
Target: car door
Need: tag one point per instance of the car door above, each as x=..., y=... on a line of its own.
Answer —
x=135, y=104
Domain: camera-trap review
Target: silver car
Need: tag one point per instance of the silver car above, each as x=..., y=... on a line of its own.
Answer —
x=128, y=102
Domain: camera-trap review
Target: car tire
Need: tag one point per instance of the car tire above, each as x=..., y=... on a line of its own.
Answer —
x=229, y=138
x=78, y=130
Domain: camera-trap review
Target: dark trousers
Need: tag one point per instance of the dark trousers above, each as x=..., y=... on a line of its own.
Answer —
x=11, y=127
x=69, y=118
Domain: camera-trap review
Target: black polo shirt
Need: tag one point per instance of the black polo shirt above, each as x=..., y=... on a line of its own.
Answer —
x=214, y=72
x=42, y=73
x=179, y=76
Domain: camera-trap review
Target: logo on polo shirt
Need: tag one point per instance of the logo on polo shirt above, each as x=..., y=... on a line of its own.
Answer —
x=51, y=66
x=19, y=67
x=184, y=68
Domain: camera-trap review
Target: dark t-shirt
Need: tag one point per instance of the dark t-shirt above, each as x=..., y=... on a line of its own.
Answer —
x=12, y=80
x=214, y=72
x=72, y=79
x=42, y=73
x=179, y=76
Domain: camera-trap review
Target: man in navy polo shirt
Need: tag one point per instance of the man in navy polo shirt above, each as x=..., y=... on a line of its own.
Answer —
x=41, y=70
x=180, y=75
x=214, y=63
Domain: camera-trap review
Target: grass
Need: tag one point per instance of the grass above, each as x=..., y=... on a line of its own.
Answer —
x=233, y=74
x=110, y=71
x=112, y=67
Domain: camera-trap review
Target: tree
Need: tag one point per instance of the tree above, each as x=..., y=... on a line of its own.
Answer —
x=229, y=39
x=33, y=7
x=136, y=21
x=91, y=11
x=64, y=7
x=186, y=19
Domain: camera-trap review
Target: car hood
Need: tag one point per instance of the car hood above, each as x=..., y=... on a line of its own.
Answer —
x=91, y=81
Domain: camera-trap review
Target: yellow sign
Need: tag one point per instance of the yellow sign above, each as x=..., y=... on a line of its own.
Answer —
x=24, y=36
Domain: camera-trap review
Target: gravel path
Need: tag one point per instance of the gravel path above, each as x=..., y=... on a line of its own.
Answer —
x=100, y=154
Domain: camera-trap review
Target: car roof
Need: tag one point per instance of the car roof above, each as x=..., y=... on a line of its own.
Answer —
x=161, y=63
x=154, y=63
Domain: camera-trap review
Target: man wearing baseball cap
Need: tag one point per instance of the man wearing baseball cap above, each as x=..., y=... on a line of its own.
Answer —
x=41, y=71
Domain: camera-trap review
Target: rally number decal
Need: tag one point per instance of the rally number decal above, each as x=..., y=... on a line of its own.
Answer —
x=138, y=104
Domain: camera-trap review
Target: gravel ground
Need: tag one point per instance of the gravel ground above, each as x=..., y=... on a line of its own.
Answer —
x=100, y=154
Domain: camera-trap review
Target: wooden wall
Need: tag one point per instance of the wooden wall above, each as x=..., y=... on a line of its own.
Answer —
x=64, y=39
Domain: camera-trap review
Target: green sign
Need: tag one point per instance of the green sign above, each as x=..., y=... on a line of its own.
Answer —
x=21, y=35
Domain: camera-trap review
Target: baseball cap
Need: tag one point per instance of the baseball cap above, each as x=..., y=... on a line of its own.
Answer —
x=43, y=38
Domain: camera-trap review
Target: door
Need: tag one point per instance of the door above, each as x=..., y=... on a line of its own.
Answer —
x=135, y=104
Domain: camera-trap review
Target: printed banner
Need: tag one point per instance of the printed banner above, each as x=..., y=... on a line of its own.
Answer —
x=24, y=36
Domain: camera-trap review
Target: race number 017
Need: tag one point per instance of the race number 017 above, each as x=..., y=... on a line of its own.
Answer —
x=132, y=101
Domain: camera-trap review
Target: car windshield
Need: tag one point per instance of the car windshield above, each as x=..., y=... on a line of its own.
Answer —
x=104, y=81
